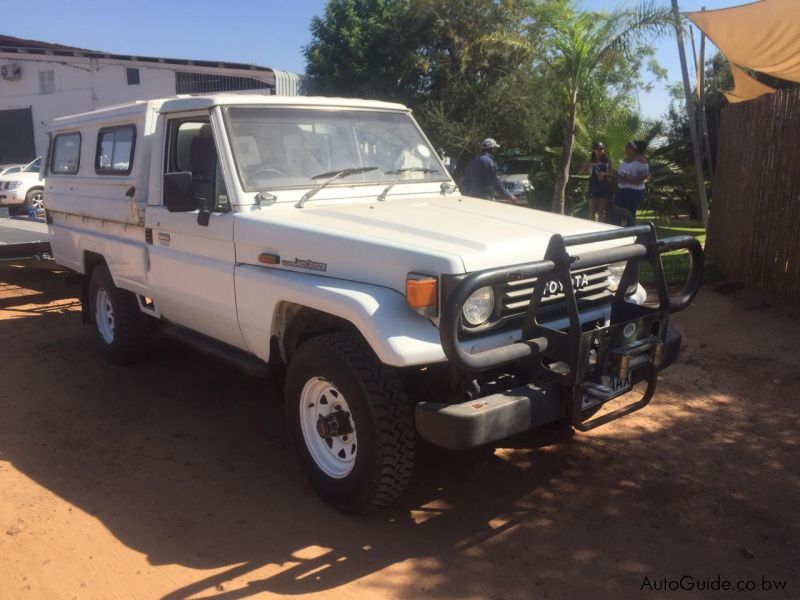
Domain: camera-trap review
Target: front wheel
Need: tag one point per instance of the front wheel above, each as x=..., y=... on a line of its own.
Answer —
x=34, y=199
x=118, y=323
x=351, y=421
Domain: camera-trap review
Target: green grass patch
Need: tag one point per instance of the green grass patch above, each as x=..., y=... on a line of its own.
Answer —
x=676, y=263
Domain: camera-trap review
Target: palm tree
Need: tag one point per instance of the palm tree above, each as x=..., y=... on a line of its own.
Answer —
x=668, y=180
x=585, y=44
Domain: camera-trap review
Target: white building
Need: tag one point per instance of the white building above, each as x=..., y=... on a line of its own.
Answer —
x=40, y=81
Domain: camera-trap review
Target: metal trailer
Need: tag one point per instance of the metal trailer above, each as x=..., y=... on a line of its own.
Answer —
x=24, y=239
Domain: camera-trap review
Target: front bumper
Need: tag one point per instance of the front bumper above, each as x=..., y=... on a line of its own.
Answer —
x=580, y=368
x=501, y=415
x=11, y=198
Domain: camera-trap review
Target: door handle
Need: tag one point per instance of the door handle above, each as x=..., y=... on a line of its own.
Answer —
x=163, y=237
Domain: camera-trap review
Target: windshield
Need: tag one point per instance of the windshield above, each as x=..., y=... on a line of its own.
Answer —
x=34, y=166
x=288, y=147
x=516, y=167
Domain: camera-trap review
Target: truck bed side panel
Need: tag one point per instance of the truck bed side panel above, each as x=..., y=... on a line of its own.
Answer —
x=121, y=245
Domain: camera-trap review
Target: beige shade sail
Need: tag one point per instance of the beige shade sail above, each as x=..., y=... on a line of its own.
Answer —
x=745, y=87
x=763, y=36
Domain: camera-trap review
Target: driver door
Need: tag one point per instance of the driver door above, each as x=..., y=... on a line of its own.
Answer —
x=191, y=265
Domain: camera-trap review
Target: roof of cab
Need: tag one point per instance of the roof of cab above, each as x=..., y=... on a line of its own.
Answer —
x=129, y=109
x=182, y=103
x=206, y=101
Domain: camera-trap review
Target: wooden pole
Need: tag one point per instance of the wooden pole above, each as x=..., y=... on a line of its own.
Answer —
x=687, y=91
x=694, y=55
x=702, y=94
x=700, y=111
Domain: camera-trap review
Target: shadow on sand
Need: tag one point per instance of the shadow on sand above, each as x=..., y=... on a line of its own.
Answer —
x=185, y=460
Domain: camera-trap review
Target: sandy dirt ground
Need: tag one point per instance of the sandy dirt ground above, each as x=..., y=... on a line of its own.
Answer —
x=172, y=478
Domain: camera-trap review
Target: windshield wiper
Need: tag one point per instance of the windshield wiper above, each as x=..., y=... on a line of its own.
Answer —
x=332, y=176
x=447, y=188
x=400, y=173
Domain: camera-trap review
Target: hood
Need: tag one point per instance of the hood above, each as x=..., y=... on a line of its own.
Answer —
x=438, y=234
x=512, y=177
x=26, y=177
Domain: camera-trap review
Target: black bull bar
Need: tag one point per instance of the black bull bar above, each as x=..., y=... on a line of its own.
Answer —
x=633, y=340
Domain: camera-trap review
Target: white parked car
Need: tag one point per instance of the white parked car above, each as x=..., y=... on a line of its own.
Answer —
x=326, y=236
x=513, y=174
x=23, y=189
x=10, y=169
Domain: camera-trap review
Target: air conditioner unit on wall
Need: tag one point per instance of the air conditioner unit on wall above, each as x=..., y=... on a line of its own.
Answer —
x=10, y=71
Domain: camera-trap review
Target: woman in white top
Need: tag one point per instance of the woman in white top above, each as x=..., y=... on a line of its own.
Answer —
x=632, y=174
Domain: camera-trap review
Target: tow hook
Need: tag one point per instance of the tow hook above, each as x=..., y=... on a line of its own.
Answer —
x=649, y=351
x=334, y=425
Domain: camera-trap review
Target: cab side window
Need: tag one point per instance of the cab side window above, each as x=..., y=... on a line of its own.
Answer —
x=191, y=149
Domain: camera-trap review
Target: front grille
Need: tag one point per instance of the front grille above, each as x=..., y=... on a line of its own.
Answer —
x=509, y=185
x=591, y=288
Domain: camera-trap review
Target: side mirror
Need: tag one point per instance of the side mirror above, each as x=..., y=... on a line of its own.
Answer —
x=179, y=192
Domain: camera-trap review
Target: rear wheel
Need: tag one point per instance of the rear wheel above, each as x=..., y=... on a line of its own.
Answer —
x=119, y=325
x=351, y=421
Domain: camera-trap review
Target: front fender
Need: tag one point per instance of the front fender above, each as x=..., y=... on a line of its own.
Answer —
x=398, y=336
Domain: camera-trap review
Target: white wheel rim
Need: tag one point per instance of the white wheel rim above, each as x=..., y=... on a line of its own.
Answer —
x=104, y=315
x=37, y=201
x=335, y=456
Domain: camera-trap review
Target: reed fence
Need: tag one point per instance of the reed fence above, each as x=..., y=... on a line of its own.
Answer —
x=754, y=226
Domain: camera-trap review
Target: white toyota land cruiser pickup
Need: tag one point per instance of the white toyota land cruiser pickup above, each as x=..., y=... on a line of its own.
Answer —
x=326, y=235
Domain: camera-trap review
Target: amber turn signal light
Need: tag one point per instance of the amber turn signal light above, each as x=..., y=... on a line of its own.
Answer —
x=265, y=258
x=422, y=294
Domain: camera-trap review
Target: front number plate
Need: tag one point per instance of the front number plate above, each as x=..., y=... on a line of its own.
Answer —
x=617, y=385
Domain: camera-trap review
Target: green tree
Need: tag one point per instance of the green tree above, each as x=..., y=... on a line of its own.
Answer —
x=586, y=50
x=466, y=67
x=368, y=48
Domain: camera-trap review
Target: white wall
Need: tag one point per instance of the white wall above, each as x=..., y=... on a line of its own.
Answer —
x=83, y=84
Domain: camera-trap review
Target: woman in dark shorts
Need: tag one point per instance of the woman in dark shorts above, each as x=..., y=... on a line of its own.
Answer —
x=599, y=168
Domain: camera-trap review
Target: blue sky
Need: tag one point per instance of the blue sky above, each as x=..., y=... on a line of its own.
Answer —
x=655, y=103
x=267, y=32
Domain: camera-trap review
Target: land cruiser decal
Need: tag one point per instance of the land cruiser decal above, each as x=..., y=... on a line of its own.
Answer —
x=301, y=263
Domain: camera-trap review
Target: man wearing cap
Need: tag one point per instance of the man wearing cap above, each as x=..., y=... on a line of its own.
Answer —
x=481, y=180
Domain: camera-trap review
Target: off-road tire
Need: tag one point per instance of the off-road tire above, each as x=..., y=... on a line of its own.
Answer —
x=382, y=416
x=130, y=328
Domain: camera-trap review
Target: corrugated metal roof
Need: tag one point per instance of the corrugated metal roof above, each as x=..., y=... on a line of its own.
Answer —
x=290, y=84
x=9, y=41
x=12, y=44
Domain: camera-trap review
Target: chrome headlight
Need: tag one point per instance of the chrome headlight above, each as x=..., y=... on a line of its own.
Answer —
x=12, y=185
x=479, y=306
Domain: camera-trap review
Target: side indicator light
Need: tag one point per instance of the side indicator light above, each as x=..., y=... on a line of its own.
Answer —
x=269, y=259
x=422, y=294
